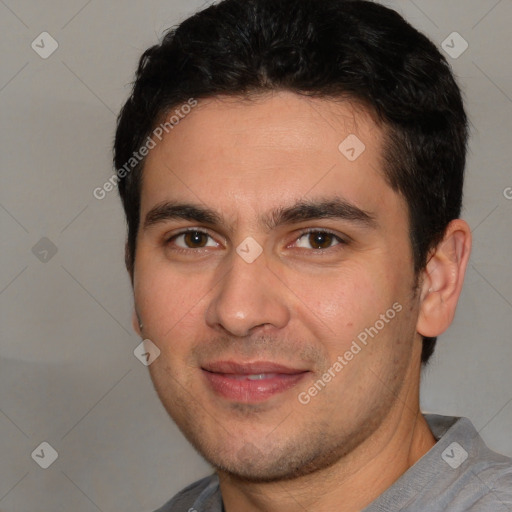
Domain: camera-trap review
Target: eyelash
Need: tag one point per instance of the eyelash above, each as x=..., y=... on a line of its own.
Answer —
x=308, y=231
x=341, y=241
x=184, y=232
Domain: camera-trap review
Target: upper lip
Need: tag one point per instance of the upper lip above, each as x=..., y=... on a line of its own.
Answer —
x=252, y=368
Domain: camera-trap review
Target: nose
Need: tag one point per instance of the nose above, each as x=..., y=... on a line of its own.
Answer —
x=249, y=296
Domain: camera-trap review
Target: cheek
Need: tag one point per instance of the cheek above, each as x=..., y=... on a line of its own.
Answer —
x=337, y=303
x=166, y=300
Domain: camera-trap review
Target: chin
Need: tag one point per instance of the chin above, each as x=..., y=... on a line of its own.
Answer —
x=250, y=464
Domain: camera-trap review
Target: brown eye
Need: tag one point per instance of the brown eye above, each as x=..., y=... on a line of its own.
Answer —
x=192, y=239
x=318, y=240
x=195, y=239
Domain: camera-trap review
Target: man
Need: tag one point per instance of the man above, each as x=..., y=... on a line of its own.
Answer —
x=292, y=172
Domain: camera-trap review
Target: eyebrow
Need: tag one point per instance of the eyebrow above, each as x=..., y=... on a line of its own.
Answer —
x=303, y=210
x=170, y=210
x=332, y=208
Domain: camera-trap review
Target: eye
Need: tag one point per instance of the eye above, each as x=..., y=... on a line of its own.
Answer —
x=192, y=239
x=318, y=240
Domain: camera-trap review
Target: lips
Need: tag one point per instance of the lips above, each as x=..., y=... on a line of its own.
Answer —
x=251, y=382
x=258, y=367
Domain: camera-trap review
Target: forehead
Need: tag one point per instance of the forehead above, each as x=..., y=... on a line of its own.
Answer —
x=262, y=151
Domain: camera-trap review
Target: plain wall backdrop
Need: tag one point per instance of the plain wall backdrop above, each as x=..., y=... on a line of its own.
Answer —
x=68, y=375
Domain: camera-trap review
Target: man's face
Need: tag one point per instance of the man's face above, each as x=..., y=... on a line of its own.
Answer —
x=243, y=341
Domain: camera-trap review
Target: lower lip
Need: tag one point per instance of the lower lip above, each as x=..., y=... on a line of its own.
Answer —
x=234, y=387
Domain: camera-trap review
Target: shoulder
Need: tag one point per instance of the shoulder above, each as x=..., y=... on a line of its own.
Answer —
x=458, y=474
x=472, y=475
x=193, y=497
x=492, y=473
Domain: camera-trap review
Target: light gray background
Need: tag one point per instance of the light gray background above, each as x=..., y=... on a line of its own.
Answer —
x=68, y=375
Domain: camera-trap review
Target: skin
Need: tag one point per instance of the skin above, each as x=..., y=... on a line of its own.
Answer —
x=296, y=304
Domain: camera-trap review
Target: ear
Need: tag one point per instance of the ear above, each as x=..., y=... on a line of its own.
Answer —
x=136, y=323
x=442, y=280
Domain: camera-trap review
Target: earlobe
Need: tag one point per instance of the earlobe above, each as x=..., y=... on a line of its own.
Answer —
x=443, y=278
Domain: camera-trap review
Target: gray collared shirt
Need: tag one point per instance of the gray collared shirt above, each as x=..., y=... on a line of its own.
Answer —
x=458, y=474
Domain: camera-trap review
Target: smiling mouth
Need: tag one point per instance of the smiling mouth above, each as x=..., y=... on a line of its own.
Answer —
x=253, y=376
x=250, y=382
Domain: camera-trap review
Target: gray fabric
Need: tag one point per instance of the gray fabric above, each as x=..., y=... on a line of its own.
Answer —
x=459, y=474
x=201, y=496
x=480, y=483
